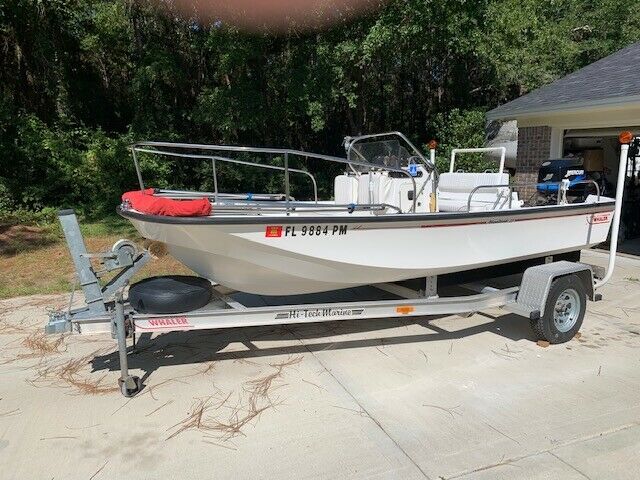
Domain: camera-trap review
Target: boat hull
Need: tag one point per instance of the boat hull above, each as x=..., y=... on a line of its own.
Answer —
x=297, y=255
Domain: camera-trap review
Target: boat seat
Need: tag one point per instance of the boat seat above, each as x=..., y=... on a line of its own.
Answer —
x=454, y=189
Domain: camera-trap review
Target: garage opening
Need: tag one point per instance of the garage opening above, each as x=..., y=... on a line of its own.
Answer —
x=598, y=152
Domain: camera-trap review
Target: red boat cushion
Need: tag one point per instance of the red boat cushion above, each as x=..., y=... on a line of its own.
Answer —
x=146, y=202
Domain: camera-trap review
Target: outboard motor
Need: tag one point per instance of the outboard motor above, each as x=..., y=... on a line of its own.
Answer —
x=553, y=172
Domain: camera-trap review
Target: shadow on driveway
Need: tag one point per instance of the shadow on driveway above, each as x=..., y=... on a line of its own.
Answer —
x=180, y=348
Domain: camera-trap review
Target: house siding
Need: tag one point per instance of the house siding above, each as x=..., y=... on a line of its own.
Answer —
x=534, y=147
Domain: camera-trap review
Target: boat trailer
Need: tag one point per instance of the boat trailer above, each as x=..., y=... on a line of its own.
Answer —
x=551, y=295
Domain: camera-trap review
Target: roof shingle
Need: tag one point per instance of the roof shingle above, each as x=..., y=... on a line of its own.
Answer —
x=612, y=77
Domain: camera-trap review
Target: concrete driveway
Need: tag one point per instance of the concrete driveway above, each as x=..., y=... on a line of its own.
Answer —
x=468, y=398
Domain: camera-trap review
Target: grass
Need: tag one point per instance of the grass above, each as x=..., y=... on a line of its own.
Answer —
x=35, y=260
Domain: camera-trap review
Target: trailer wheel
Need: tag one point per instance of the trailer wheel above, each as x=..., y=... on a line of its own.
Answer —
x=563, y=312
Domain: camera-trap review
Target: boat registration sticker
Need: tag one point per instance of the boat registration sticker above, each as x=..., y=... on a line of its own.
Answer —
x=273, y=231
x=599, y=218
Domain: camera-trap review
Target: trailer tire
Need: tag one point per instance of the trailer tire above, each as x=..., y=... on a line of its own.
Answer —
x=170, y=294
x=564, y=310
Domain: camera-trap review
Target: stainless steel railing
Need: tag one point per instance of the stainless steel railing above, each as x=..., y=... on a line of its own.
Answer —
x=511, y=187
x=216, y=158
x=562, y=189
x=159, y=148
x=483, y=187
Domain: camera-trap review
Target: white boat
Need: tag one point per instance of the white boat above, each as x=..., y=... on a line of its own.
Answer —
x=392, y=218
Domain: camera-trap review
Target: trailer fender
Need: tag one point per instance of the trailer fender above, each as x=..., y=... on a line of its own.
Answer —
x=537, y=281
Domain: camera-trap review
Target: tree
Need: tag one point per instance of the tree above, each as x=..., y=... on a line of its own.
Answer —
x=83, y=78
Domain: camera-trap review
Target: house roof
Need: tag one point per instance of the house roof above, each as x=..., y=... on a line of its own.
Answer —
x=609, y=81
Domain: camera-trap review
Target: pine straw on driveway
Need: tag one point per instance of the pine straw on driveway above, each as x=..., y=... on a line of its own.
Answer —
x=65, y=362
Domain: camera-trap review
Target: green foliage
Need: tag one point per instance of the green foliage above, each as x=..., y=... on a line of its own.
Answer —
x=22, y=216
x=529, y=43
x=76, y=167
x=461, y=129
x=108, y=225
x=82, y=79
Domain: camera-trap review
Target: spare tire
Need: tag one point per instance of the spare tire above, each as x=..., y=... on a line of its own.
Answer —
x=170, y=294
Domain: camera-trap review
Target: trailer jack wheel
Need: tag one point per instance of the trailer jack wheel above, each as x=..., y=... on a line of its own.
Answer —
x=130, y=385
x=564, y=310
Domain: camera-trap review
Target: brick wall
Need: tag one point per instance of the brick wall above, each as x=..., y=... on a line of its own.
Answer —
x=534, y=147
